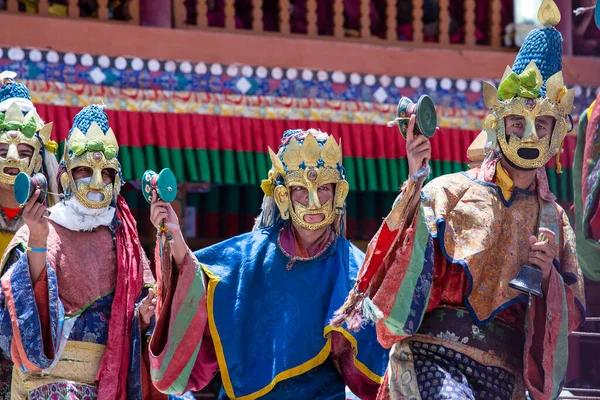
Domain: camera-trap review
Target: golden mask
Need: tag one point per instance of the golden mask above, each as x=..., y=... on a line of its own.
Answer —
x=517, y=95
x=98, y=152
x=16, y=129
x=309, y=166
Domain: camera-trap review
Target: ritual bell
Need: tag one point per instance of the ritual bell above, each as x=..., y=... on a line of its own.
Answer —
x=424, y=109
x=164, y=183
x=25, y=186
x=529, y=281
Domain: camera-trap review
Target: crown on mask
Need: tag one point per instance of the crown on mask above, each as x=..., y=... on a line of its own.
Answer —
x=304, y=149
x=534, y=87
x=301, y=150
x=537, y=70
x=90, y=132
x=19, y=113
x=28, y=124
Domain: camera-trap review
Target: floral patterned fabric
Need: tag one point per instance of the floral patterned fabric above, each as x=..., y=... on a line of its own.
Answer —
x=456, y=359
x=470, y=217
x=455, y=252
x=92, y=324
x=64, y=391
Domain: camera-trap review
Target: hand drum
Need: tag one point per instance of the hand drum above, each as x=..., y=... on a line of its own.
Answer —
x=424, y=109
x=164, y=183
x=25, y=186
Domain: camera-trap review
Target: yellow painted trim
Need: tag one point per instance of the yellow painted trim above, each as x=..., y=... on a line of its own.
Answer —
x=360, y=366
x=590, y=109
x=213, y=280
x=317, y=360
x=7, y=253
x=287, y=374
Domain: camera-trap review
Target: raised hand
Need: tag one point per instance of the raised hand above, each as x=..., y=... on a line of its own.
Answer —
x=542, y=253
x=418, y=148
x=162, y=212
x=35, y=216
x=147, y=308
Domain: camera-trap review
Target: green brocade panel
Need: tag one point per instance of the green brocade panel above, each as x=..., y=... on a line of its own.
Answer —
x=150, y=159
x=177, y=165
x=126, y=163
x=229, y=168
x=249, y=168
x=263, y=164
x=395, y=172
x=191, y=166
x=204, y=166
x=350, y=172
x=138, y=158
x=242, y=169
x=360, y=174
x=373, y=180
x=215, y=166
x=384, y=181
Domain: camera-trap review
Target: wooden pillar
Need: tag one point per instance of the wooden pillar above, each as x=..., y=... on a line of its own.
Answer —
x=257, y=16
x=43, y=7
x=338, y=18
x=103, y=10
x=73, y=9
x=417, y=24
x=392, y=21
x=470, y=22
x=158, y=13
x=201, y=10
x=230, y=14
x=311, y=17
x=12, y=6
x=444, y=21
x=284, y=15
x=565, y=25
x=134, y=11
x=365, y=19
x=496, y=28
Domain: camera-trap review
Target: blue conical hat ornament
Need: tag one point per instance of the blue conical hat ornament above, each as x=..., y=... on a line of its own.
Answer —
x=92, y=144
x=20, y=124
x=532, y=88
x=10, y=89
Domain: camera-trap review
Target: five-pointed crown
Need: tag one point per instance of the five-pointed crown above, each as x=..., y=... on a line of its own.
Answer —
x=307, y=153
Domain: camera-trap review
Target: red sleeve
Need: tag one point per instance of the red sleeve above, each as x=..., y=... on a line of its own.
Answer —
x=40, y=290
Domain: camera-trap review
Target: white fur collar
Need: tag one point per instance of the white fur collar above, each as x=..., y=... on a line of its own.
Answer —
x=74, y=216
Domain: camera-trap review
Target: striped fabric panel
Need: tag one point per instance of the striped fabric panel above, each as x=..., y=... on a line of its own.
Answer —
x=186, y=325
x=418, y=272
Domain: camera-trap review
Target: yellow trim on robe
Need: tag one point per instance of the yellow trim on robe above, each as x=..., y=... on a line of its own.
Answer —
x=5, y=238
x=590, y=109
x=317, y=360
x=360, y=366
x=504, y=182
